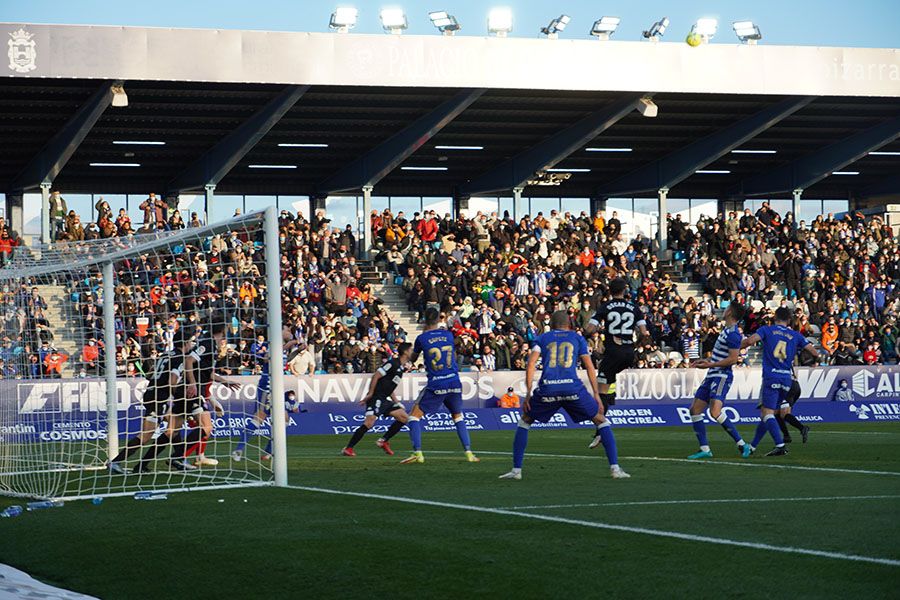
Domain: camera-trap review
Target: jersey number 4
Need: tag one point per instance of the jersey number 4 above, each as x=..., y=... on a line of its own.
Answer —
x=441, y=358
x=780, y=351
x=620, y=323
x=562, y=354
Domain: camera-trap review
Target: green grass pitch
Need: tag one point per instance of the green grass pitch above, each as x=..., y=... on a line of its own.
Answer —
x=288, y=543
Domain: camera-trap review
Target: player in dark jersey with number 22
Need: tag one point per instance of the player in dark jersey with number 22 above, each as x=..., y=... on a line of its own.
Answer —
x=621, y=317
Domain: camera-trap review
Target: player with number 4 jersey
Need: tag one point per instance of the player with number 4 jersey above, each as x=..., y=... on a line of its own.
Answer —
x=781, y=344
x=437, y=346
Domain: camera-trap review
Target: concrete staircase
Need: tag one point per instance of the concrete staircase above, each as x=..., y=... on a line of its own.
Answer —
x=67, y=333
x=392, y=296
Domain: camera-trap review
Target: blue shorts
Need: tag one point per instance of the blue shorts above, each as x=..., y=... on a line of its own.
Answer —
x=714, y=387
x=774, y=393
x=431, y=400
x=263, y=395
x=578, y=404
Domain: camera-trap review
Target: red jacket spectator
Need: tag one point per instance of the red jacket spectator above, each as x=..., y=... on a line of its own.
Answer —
x=427, y=230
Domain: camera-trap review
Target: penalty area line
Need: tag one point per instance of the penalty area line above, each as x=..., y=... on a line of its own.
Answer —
x=608, y=526
x=707, y=501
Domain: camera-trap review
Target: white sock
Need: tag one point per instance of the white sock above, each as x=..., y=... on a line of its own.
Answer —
x=704, y=448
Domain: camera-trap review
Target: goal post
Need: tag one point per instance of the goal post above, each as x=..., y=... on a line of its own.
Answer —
x=106, y=352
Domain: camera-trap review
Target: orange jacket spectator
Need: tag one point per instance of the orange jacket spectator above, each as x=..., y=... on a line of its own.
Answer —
x=829, y=336
x=599, y=223
x=54, y=362
x=248, y=291
x=509, y=399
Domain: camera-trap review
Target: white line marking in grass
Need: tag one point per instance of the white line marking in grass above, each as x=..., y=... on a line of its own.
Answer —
x=749, y=463
x=717, y=501
x=766, y=465
x=818, y=432
x=609, y=526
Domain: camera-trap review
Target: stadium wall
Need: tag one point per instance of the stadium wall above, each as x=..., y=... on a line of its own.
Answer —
x=74, y=409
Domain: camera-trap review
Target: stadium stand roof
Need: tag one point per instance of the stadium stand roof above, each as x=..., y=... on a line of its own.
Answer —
x=224, y=100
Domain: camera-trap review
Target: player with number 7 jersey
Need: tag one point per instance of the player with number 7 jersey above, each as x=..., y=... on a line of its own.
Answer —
x=437, y=346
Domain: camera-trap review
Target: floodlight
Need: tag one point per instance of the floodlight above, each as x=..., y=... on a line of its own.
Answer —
x=120, y=98
x=556, y=25
x=705, y=28
x=393, y=20
x=444, y=21
x=605, y=27
x=647, y=107
x=657, y=30
x=500, y=21
x=747, y=31
x=343, y=19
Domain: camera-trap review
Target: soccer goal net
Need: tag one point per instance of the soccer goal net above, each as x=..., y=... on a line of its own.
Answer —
x=147, y=363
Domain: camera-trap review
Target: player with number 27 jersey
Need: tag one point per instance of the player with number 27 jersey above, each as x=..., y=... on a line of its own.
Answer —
x=437, y=347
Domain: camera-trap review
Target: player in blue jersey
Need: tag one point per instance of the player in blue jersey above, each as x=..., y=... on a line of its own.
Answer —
x=560, y=350
x=264, y=401
x=444, y=387
x=711, y=393
x=781, y=344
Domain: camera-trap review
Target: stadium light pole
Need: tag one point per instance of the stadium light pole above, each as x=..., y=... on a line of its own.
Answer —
x=444, y=22
x=109, y=357
x=747, y=31
x=657, y=30
x=795, y=205
x=276, y=347
x=556, y=25
x=500, y=21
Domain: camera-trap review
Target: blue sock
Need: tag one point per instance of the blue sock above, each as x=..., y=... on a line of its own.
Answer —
x=245, y=434
x=760, y=433
x=774, y=430
x=415, y=433
x=609, y=443
x=463, y=434
x=729, y=427
x=700, y=430
x=268, y=449
x=519, y=444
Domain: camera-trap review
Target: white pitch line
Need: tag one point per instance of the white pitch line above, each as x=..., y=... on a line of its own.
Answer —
x=749, y=463
x=766, y=465
x=609, y=526
x=717, y=501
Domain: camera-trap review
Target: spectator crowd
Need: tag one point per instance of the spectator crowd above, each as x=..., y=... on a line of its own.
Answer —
x=496, y=281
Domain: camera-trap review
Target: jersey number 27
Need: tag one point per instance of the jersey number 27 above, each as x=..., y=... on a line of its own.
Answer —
x=444, y=354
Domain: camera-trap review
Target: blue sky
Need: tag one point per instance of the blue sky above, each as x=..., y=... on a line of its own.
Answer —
x=869, y=23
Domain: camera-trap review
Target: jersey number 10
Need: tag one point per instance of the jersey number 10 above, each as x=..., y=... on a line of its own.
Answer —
x=562, y=354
